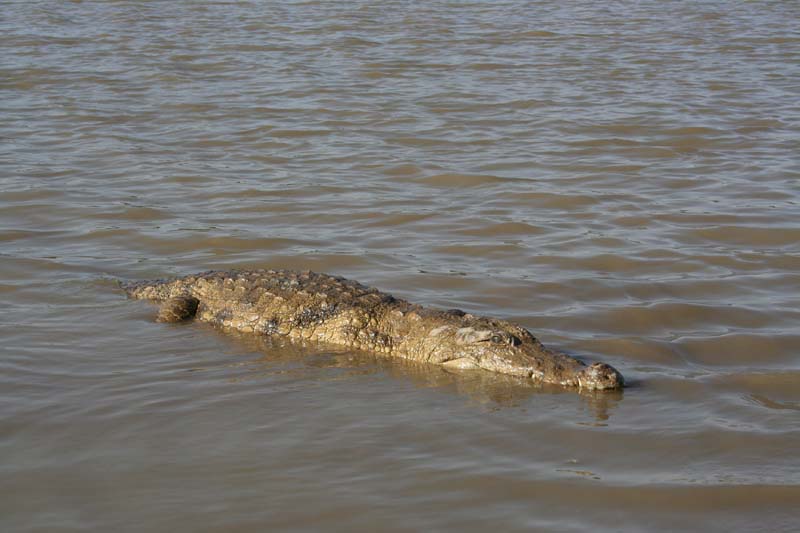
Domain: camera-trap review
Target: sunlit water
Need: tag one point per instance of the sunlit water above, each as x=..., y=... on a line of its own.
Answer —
x=619, y=177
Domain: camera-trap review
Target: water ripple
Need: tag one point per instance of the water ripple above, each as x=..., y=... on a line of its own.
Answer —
x=619, y=177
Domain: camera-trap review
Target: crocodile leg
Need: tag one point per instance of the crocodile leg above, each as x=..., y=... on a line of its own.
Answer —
x=178, y=309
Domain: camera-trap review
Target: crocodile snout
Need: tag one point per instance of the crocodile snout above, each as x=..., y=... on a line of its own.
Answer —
x=600, y=376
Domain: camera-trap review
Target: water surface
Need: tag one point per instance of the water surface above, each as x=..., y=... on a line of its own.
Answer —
x=621, y=178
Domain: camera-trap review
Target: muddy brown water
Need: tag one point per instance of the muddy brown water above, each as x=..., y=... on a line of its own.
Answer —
x=619, y=177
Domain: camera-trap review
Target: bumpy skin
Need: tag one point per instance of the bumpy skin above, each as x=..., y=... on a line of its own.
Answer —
x=307, y=305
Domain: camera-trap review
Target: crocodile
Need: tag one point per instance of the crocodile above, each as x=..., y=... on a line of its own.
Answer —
x=331, y=309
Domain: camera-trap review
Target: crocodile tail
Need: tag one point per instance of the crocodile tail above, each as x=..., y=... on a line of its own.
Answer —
x=128, y=287
x=142, y=290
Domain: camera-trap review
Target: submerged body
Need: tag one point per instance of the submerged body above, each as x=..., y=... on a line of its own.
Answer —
x=312, y=306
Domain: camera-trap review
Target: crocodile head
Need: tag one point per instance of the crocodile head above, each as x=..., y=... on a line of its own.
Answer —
x=500, y=346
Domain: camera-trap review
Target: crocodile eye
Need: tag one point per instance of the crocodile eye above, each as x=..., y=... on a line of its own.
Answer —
x=497, y=339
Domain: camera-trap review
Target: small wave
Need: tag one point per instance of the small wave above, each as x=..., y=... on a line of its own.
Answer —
x=463, y=180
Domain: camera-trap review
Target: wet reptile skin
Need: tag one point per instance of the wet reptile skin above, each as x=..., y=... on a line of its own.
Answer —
x=312, y=306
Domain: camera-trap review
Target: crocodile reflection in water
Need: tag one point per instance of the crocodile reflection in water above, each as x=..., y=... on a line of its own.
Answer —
x=332, y=309
x=279, y=358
